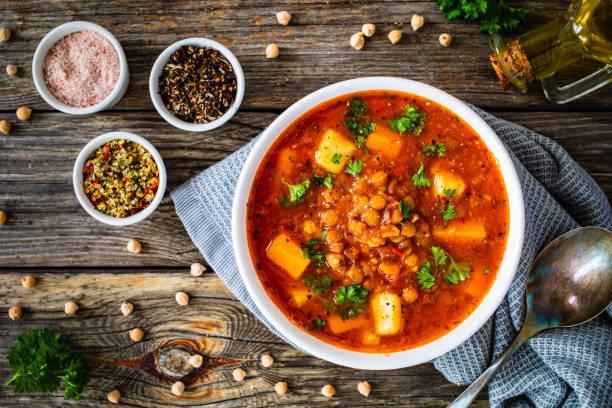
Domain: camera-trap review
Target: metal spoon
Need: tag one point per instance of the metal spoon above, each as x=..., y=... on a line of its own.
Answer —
x=570, y=283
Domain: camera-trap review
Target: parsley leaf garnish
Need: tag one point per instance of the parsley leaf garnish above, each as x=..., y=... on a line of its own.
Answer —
x=494, y=16
x=40, y=360
x=456, y=272
x=419, y=179
x=437, y=149
x=354, y=167
x=448, y=213
x=440, y=256
x=298, y=191
x=327, y=181
x=352, y=300
x=317, y=324
x=450, y=192
x=412, y=120
x=318, y=284
x=424, y=276
x=355, y=122
x=336, y=158
x=405, y=209
x=311, y=250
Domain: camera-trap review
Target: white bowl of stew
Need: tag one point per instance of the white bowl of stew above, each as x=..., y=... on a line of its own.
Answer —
x=378, y=223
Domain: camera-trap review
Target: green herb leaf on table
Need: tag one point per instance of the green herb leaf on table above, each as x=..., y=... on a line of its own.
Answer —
x=432, y=150
x=405, y=209
x=318, y=284
x=317, y=324
x=494, y=16
x=336, y=158
x=411, y=120
x=424, y=276
x=448, y=213
x=40, y=360
x=351, y=300
x=419, y=179
x=354, y=167
x=355, y=122
x=311, y=250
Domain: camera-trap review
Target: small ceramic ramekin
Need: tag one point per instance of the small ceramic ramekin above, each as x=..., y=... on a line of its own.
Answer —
x=77, y=178
x=162, y=60
x=57, y=34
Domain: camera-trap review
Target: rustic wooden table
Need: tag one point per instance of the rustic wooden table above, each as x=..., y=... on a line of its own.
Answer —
x=78, y=258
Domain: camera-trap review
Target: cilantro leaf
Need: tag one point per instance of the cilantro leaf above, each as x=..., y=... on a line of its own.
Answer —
x=437, y=149
x=448, y=213
x=311, y=250
x=419, y=179
x=351, y=300
x=354, y=167
x=457, y=272
x=355, y=122
x=450, y=192
x=440, y=256
x=412, y=120
x=405, y=209
x=336, y=158
x=318, y=284
x=317, y=324
x=297, y=192
x=40, y=360
x=424, y=276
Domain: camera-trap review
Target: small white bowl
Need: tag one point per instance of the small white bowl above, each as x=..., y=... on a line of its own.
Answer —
x=77, y=178
x=163, y=59
x=57, y=34
x=404, y=358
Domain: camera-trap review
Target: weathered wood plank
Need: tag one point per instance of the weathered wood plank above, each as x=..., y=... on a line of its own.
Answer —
x=214, y=324
x=314, y=48
x=47, y=227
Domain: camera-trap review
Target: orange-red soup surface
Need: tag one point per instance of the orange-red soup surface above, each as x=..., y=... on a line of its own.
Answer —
x=377, y=221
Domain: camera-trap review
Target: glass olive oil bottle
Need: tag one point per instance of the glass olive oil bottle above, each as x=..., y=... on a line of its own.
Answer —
x=584, y=31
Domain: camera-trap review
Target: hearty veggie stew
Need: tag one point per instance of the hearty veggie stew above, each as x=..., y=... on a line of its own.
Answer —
x=377, y=221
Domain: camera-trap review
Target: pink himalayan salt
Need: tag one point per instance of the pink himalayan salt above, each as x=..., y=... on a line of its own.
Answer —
x=81, y=69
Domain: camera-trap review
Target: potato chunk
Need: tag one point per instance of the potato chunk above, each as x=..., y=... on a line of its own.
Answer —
x=288, y=255
x=333, y=143
x=385, y=142
x=458, y=230
x=299, y=296
x=387, y=309
x=369, y=338
x=337, y=325
x=446, y=183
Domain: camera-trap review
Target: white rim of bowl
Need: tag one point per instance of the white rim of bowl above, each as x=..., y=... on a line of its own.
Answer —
x=156, y=71
x=77, y=178
x=45, y=45
x=412, y=356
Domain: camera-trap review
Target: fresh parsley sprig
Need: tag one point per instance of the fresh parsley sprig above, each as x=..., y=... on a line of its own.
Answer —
x=411, y=120
x=456, y=272
x=494, y=16
x=319, y=284
x=351, y=300
x=354, y=167
x=431, y=150
x=312, y=250
x=419, y=179
x=424, y=276
x=356, y=123
x=448, y=213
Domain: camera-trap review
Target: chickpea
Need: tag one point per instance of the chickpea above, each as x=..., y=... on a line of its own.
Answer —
x=334, y=235
x=411, y=260
x=114, y=396
x=408, y=229
x=356, y=227
x=379, y=179
x=357, y=41
x=309, y=227
x=15, y=312
x=127, y=308
x=239, y=374
x=396, y=216
x=423, y=236
x=328, y=390
x=182, y=298
x=355, y=274
x=376, y=241
x=24, y=113
x=5, y=34
x=409, y=294
x=387, y=231
x=134, y=246
x=417, y=22
x=11, y=70
x=178, y=388
x=28, y=281
x=397, y=239
x=368, y=29
x=197, y=269
x=335, y=261
x=378, y=202
x=330, y=217
x=272, y=51
x=446, y=40
x=70, y=308
x=283, y=17
x=371, y=217
x=267, y=360
x=280, y=388
x=5, y=127
x=337, y=247
x=395, y=36
x=196, y=361
x=364, y=388
x=360, y=202
x=136, y=334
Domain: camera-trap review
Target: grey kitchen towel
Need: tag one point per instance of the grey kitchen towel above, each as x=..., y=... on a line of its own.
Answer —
x=561, y=367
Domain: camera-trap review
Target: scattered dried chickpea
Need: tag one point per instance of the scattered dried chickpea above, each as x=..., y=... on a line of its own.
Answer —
x=364, y=388
x=5, y=126
x=196, y=361
x=114, y=396
x=272, y=51
x=283, y=17
x=70, y=308
x=2, y=217
x=5, y=34
x=11, y=70
x=280, y=388
x=178, y=388
x=28, y=281
x=446, y=39
x=136, y=334
x=368, y=29
x=328, y=390
x=357, y=41
x=24, y=113
x=127, y=308
x=267, y=360
x=197, y=269
x=15, y=312
x=182, y=298
x=395, y=36
x=239, y=374
x=417, y=22
x=134, y=246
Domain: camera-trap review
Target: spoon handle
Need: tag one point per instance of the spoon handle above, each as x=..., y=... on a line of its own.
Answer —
x=465, y=399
